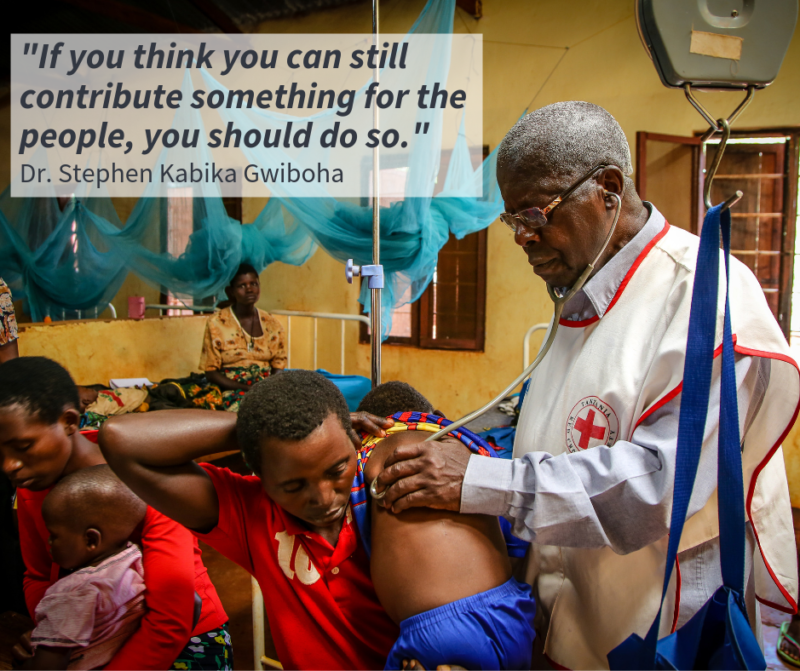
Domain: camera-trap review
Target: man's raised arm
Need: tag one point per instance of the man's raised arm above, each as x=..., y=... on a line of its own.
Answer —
x=154, y=455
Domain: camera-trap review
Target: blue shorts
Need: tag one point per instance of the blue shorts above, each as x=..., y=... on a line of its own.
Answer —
x=490, y=630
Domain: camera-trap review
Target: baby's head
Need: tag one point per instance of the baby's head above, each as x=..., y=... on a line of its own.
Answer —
x=295, y=433
x=90, y=515
x=391, y=397
x=39, y=415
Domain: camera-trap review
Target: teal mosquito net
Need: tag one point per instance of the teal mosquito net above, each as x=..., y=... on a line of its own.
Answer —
x=72, y=262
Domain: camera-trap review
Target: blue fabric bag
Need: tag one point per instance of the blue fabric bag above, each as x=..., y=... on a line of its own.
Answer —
x=719, y=635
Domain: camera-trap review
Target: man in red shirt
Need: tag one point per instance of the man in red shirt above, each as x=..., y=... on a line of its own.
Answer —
x=290, y=525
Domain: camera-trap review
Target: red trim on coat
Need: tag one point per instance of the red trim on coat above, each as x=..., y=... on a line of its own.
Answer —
x=745, y=351
x=776, y=606
x=786, y=359
x=648, y=247
x=677, y=390
x=661, y=402
x=678, y=585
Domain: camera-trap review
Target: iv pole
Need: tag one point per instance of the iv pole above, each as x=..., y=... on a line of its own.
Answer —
x=375, y=310
x=373, y=273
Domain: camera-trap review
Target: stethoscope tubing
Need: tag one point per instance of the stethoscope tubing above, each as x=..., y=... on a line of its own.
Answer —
x=559, y=301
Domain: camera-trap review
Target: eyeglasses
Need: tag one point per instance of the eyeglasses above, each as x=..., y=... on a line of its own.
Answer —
x=535, y=217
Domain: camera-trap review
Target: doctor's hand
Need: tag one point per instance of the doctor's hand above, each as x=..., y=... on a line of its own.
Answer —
x=371, y=424
x=424, y=475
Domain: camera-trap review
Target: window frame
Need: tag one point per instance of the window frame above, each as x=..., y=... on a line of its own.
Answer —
x=698, y=168
x=476, y=344
x=789, y=209
x=233, y=207
x=422, y=310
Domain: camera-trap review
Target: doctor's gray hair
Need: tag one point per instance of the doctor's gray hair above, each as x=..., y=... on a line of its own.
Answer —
x=564, y=139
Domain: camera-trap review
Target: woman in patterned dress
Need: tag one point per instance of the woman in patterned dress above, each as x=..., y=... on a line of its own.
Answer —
x=242, y=344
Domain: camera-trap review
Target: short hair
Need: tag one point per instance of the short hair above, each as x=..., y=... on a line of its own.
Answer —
x=564, y=139
x=287, y=406
x=395, y=396
x=243, y=269
x=39, y=385
x=95, y=497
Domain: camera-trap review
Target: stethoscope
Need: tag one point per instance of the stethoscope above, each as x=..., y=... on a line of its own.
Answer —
x=559, y=301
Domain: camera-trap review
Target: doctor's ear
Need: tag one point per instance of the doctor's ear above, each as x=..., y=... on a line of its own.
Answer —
x=611, y=180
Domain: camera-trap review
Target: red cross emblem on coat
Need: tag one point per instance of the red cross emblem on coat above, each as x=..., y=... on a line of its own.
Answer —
x=592, y=422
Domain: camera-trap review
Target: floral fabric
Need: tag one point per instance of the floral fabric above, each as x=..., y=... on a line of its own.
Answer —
x=227, y=345
x=211, y=650
x=212, y=397
x=8, y=320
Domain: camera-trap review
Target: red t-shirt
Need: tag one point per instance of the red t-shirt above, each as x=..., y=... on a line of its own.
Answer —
x=320, y=602
x=173, y=571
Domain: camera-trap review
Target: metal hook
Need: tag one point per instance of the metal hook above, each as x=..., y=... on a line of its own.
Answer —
x=715, y=127
x=726, y=133
x=735, y=198
x=719, y=126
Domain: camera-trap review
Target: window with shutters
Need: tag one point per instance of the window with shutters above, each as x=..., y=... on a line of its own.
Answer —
x=450, y=313
x=452, y=309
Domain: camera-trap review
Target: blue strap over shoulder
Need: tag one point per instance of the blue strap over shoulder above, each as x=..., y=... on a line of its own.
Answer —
x=719, y=634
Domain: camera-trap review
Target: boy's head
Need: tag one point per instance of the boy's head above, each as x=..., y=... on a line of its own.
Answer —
x=391, y=397
x=39, y=414
x=295, y=434
x=90, y=514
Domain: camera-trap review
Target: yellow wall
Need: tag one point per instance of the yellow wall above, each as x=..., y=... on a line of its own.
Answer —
x=791, y=455
x=535, y=53
x=95, y=351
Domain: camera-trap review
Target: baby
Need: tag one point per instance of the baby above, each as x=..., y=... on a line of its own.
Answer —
x=86, y=616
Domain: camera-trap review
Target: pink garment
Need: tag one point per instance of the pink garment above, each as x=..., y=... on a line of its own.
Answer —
x=94, y=610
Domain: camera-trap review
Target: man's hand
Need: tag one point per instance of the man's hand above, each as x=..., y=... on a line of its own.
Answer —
x=424, y=475
x=371, y=424
x=23, y=650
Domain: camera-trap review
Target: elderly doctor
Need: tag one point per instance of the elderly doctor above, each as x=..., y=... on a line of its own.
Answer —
x=592, y=478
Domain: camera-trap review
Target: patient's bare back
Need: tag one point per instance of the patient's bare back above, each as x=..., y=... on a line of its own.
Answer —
x=424, y=558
